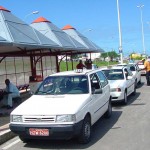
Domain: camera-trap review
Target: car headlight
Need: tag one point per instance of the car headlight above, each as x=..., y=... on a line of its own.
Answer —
x=16, y=118
x=115, y=90
x=66, y=118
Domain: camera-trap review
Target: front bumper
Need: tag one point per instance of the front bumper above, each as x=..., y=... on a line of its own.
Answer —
x=63, y=131
x=117, y=96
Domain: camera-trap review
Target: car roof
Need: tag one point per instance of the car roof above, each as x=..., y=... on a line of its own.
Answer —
x=123, y=64
x=74, y=72
x=113, y=67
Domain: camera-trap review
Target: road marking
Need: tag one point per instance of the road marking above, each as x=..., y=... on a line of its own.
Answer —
x=11, y=144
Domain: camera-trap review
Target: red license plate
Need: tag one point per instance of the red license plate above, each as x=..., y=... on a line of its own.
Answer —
x=38, y=132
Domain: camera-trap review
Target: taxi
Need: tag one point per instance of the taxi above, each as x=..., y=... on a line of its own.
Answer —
x=121, y=81
x=134, y=68
x=141, y=66
x=136, y=72
x=65, y=105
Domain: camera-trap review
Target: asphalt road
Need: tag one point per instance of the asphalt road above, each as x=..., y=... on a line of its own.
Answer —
x=127, y=129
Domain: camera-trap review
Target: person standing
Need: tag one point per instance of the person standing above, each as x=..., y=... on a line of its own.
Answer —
x=80, y=65
x=10, y=92
x=147, y=68
x=89, y=64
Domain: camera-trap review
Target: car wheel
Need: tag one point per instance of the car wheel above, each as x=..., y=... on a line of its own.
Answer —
x=109, y=110
x=25, y=140
x=125, y=101
x=140, y=81
x=85, y=134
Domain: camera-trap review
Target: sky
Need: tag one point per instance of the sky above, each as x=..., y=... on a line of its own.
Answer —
x=96, y=19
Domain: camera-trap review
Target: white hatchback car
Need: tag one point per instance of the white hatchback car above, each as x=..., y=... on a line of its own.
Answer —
x=121, y=81
x=134, y=68
x=136, y=72
x=141, y=66
x=65, y=105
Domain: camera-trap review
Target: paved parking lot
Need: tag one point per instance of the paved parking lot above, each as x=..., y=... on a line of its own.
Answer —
x=127, y=129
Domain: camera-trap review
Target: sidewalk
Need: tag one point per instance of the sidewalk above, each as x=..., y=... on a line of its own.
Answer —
x=5, y=133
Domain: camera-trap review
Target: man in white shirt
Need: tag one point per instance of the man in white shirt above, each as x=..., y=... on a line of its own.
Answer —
x=10, y=92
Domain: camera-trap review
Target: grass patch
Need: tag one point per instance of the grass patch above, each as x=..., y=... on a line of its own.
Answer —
x=63, y=65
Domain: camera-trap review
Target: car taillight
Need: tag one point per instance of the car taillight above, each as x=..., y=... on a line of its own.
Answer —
x=118, y=89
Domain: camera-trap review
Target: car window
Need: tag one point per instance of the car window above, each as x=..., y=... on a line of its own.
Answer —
x=94, y=81
x=132, y=68
x=103, y=79
x=56, y=85
x=114, y=74
x=137, y=67
x=127, y=72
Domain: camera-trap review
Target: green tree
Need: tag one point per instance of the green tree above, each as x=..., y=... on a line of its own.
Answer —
x=104, y=55
x=112, y=55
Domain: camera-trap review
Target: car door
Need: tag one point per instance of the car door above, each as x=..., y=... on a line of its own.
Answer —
x=138, y=73
x=104, y=84
x=130, y=81
x=97, y=99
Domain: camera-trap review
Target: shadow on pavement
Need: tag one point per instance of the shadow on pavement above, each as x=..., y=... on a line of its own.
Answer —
x=131, y=99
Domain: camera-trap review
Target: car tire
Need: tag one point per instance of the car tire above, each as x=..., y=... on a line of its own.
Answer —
x=125, y=100
x=109, y=110
x=139, y=81
x=23, y=139
x=85, y=134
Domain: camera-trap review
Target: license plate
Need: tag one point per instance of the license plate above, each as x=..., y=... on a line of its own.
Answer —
x=38, y=132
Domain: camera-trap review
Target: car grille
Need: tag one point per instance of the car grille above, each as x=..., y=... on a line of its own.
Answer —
x=41, y=119
x=114, y=97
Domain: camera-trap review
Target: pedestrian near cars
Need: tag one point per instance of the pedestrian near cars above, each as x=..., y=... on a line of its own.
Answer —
x=11, y=91
x=147, y=68
x=88, y=64
x=80, y=65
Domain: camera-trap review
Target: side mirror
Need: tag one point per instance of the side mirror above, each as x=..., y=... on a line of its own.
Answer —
x=129, y=77
x=97, y=91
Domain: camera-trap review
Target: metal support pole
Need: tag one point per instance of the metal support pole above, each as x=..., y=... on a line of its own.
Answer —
x=120, y=34
x=143, y=40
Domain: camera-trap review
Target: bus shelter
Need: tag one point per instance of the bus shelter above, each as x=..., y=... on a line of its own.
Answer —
x=29, y=54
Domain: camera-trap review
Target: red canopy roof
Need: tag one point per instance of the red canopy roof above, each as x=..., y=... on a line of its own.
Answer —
x=68, y=27
x=2, y=8
x=40, y=19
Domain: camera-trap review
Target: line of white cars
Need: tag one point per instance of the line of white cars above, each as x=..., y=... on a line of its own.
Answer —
x=122, y=82
x=67, y=104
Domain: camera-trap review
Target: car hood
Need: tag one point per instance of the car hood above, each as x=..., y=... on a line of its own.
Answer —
x=116, y=83
x=52, y=104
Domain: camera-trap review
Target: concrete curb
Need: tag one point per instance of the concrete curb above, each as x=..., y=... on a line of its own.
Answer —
x=6, y=135
x=5, y=132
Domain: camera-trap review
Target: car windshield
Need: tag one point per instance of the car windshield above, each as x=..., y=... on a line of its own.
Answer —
x=114, y=74
x=131, y=67
x=59, y=85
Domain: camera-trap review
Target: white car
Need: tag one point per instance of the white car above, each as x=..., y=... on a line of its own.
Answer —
x=65, y=105
x=136, y=72
x=141, y=66
x=94, y=66
x=122, y=64
x=134, y=68
x=121, y=81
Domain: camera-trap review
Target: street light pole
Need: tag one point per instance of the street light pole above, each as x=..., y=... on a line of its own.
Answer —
x=143, y=40
x=120, y=34
x=32, y=13
x=87, y=30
